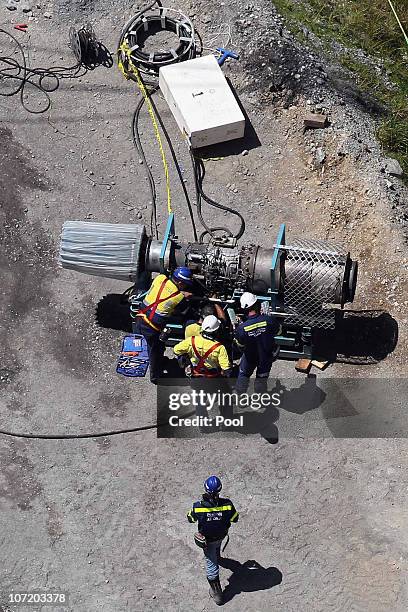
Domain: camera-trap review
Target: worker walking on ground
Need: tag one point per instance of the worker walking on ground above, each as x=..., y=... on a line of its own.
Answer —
x=256, y=337
x=214, y=516
x=165, y=298
x=208, y=357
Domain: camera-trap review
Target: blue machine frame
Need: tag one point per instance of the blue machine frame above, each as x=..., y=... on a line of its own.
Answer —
x=291, y=338
x=170, y=231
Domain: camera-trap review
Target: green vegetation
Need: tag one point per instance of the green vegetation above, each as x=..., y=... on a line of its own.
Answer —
x=371, y=26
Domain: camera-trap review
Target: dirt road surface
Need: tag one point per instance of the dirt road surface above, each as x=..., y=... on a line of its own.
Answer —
x=104, y=518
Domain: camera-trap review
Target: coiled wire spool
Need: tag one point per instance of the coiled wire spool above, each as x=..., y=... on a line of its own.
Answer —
x=136, y=31
x=103, y=249
x=316, y=274
x=88, y=50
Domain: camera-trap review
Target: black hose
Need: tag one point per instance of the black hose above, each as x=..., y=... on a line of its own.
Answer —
x=87, y=50
x=149, y=63
x=139, y=147
x=80, y=436
x=177, y=166
x=143, y=64
x=199, y=173
x=104, y=434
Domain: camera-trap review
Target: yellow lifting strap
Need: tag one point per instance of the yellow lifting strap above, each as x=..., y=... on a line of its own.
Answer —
x=398, y=21
x=124, y=48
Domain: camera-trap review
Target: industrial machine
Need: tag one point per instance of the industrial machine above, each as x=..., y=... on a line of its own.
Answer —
x=304, y=282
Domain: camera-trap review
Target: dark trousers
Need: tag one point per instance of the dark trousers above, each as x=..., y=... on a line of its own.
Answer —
x=246, y=369
x=217, y=385
x=155, y=347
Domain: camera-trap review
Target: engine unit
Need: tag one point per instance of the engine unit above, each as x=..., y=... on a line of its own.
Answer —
x=303, y=280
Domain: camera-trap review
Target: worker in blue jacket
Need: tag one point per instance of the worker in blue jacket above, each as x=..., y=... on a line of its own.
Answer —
x=256, y=338
x=214, y=516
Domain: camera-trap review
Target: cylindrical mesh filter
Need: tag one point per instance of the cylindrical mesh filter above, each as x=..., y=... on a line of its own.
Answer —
x=103, y=249
x=314, y=275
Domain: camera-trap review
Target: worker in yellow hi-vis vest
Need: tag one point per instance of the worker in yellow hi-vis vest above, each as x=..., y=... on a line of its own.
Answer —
x=208, y=357
x=164, y=299
x=193, y=326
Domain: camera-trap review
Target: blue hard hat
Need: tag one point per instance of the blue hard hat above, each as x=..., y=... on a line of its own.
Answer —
x=213, y=485
x=183, y=274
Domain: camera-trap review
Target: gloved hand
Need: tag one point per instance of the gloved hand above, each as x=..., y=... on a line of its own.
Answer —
x=182, y=360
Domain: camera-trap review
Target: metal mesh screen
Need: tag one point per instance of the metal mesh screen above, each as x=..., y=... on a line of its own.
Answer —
x=102, y=249
x=314, y=272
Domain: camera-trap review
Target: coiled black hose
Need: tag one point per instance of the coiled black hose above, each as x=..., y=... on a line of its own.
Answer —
x=199, y=173
x=134, y=36
x=15, y=75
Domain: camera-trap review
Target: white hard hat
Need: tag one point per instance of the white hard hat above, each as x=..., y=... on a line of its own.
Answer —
x=210, y=324
x=247, y=300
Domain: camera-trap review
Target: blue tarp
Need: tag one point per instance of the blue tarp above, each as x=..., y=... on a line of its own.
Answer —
x=134, y=358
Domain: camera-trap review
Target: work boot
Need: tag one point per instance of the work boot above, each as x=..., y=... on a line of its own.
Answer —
x=216, y=590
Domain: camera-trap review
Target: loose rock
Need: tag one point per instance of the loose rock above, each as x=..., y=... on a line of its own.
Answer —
x=315, y=120
x=320, y=155
x=392, y=166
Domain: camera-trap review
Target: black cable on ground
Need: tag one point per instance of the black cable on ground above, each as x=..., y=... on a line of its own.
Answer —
x=88, y=50
x=133, y=36
x=80, y=436
x=104, y=434
x=139, y=147
x=14, y=71
x=177, y=165
x=199, y=173
x=208, y=230
x=138, y=144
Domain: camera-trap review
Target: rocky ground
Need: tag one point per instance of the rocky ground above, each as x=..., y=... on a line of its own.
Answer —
x=103, y=519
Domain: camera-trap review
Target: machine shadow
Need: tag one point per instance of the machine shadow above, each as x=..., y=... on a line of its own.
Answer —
x=305, y=398
x=112, y=312
x=309, y=396
x=249, y=577
x=360, y=337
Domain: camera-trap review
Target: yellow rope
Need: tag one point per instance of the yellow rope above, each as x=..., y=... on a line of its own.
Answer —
x=398, y=21
x=142, y=88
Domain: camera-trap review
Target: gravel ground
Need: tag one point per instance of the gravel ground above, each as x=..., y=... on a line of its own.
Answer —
x=104, y=518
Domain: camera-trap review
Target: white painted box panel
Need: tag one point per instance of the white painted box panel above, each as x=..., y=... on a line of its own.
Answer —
x=201, y=101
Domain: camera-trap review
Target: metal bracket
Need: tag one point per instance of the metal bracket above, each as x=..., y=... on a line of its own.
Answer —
x=227, y=241
x=168, y=234
x=275, y=264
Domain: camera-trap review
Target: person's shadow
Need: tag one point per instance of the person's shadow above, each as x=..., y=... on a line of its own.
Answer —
x=262, y=422
x=309, y=396
x=248, y=577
